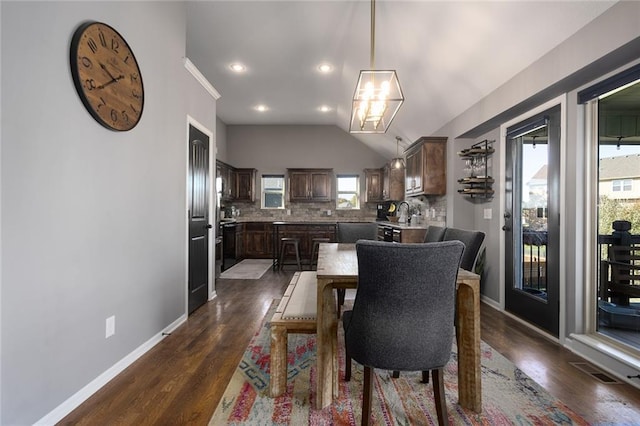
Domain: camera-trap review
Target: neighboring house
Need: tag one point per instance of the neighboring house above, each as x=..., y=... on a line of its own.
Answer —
x=620, y=177
x=538, y=187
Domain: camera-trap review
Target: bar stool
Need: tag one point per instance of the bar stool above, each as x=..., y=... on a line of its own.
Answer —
x=286, y=242
x=314, y=250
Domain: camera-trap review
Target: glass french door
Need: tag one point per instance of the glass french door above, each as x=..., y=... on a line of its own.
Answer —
x=617, y=305
x=532, y=218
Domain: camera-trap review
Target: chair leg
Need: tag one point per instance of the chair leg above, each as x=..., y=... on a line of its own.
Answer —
x=366, y=396
x=347, y=366
x=395, y=374
x=439, y=399
x=425, y=376
x=341, y=295
x=298, y=257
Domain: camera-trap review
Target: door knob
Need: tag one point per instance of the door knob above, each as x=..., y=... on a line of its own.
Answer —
x=208, y=226
x=507, y=215
x=506, y=228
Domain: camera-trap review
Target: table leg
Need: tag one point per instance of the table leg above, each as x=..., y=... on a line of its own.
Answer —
x=468, y=340
x=278, y=380
x=326, y=340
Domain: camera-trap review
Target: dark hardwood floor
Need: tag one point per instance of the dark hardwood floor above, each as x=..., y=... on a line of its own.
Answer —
x=181, y=380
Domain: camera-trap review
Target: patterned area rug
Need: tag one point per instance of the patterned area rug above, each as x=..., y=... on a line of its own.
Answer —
x=508, y=395
x=248, y=269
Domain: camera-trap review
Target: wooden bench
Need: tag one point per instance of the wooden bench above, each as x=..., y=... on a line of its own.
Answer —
x=296, y=313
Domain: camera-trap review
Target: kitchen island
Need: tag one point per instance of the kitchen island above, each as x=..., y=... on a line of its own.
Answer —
x=260, y=239
x=305, y=232
x=402, y=232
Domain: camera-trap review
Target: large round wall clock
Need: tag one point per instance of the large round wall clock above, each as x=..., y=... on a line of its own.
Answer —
x=106, y=75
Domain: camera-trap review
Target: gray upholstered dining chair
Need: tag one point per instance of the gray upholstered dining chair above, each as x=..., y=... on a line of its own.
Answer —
x=472, y=242
x=403, y=313
x=434, y=234
x=350, y=232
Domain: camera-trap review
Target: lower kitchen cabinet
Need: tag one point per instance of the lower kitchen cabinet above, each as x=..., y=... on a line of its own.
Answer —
x=258, y=240
x=305, y=233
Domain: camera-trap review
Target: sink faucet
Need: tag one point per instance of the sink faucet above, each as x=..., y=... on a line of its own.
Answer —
x=401, y=213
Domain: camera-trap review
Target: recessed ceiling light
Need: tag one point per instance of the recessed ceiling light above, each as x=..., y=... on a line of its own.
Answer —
x=324, y=108
x=261, y=108
x=325, y=68
x=237, y=67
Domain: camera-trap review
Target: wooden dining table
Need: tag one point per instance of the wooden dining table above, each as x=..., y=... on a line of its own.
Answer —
x=338, y=268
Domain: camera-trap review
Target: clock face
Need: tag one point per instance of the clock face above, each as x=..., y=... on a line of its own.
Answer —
x=106, y=75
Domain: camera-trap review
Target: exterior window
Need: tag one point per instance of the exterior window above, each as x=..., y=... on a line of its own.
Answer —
x=622, y=185
x=273, y=191
x=348, y=189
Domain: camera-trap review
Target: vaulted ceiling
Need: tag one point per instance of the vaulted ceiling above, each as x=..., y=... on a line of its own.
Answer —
x=448, y=55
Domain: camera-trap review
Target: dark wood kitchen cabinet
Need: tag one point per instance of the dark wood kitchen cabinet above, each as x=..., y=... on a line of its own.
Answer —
x=237, y=184
x=245, y=182
x=310, y=184
x=227, y=177
x=373, y=183
x=305, y=232
x=426, y=170
x=386, y=183
x=258, y=240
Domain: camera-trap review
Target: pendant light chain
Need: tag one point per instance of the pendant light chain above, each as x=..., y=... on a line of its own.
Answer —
x=373, y=34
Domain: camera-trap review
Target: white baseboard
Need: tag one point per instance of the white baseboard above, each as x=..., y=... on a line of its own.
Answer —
x=83, y=394
x=495, y=305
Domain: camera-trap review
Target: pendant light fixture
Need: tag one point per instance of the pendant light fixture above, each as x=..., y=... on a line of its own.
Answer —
x=378, y=95
x=398, y=162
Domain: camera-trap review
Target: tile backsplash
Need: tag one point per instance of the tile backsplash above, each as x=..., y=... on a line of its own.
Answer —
x=303, y=211
x=432, y=209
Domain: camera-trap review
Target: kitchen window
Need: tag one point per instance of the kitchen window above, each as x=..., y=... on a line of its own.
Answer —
x=272, y=192
x=348, y=192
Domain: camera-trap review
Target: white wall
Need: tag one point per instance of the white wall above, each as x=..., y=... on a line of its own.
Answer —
x=273, y=149
x=93, y=222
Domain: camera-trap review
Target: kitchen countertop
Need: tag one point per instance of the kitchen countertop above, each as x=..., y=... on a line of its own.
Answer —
x=398, y=225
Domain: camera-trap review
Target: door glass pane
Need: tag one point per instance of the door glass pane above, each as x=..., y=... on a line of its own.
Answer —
x=534, y=213
x=618, y=301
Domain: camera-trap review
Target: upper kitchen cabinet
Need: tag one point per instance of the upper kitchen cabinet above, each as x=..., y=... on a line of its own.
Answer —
x=237, y=184
x=392, y=183
x=226, y=174
x=426, y=172
x=386, y=183
x=245, y=182
x=374, y=181
x=310, y=184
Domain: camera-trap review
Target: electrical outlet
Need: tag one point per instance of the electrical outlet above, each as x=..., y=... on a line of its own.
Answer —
x=328, y=212
x=110, y=326
x=487, y=213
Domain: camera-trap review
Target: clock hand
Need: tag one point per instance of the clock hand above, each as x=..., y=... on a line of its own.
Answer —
x=107, y=71
x=113, y=80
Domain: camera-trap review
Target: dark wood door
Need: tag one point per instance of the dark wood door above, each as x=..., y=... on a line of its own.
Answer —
x=198, y=218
